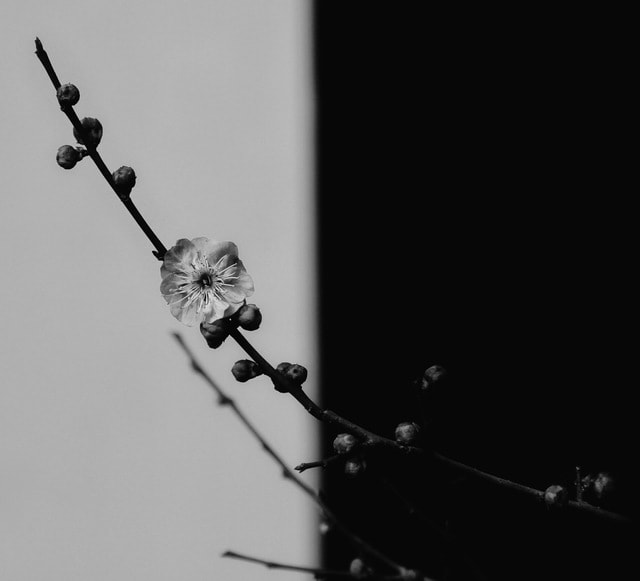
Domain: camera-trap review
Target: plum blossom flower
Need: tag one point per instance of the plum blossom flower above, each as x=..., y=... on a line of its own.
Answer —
x=204, y=280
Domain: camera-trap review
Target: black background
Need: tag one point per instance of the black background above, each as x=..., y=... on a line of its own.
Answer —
x=475, y=211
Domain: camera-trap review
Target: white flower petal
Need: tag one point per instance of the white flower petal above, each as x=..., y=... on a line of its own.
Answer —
x=185, y=313
x=179, y=257
x=204, y=246
x=227, y=251
x=171, y=283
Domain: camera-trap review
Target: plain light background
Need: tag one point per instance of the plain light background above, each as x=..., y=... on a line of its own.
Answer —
x=115, y=462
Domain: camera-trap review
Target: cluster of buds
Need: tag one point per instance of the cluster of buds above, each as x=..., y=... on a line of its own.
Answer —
x=248, y=317
x=346, y=444
x=593, y=489
x=88, y=137
x=68, y=156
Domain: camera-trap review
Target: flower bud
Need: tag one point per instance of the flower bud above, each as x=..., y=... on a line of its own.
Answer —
x=245, y=369
x=344, y=443
x=68, y=95
x=324, y=527
x=215, y=333
x=296, y=373
x=92, y=129
x=68, y=156
x=407, y=433
x=556, y=496
x=282, y=367
x=353, y=467
x=433, y=375
x=124, y=178
x=249, y=317
x=603, y=485
x=359, y=570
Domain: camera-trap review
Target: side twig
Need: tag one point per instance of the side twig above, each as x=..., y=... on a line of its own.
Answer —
x=325, y=573
x=317, y=573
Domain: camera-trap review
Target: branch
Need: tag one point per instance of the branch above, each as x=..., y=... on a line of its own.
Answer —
x=320, y=463
x=95, y=156
x=574, y=505
x=224, y=399
x=367, y=438
x=278, y=379
x=403, y=575
x=281, y=383
x=317, y=573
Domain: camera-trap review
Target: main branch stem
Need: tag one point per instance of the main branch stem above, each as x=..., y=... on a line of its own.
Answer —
x=97, y=159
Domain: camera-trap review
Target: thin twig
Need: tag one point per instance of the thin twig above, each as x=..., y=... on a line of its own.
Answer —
x=405, y=574
x=578, y=506
x=318, y=573
x=320, y=463
x=224, y=399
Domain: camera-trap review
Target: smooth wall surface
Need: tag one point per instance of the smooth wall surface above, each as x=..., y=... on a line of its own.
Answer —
x=115, y=462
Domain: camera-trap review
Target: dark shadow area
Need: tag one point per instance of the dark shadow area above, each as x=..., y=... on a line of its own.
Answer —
x=475, y=211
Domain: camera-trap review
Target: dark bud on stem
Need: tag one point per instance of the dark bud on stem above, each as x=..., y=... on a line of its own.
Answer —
x=68, y=95
x=407, y=433
x=215, y=333
x=359, y=569
x=354, y=467
x=324, y=527
x=124, y=178
x=432, y=376
x=249, y=317
x=245, y=369
x=556, y=496
x=68, y=156
x=296, y=373
x=282, y=367
x=92, y=129
x=344, y=443
x=603, y=485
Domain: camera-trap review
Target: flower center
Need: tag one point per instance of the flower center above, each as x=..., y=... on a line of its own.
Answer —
x=206, y=280
x=209, y=283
